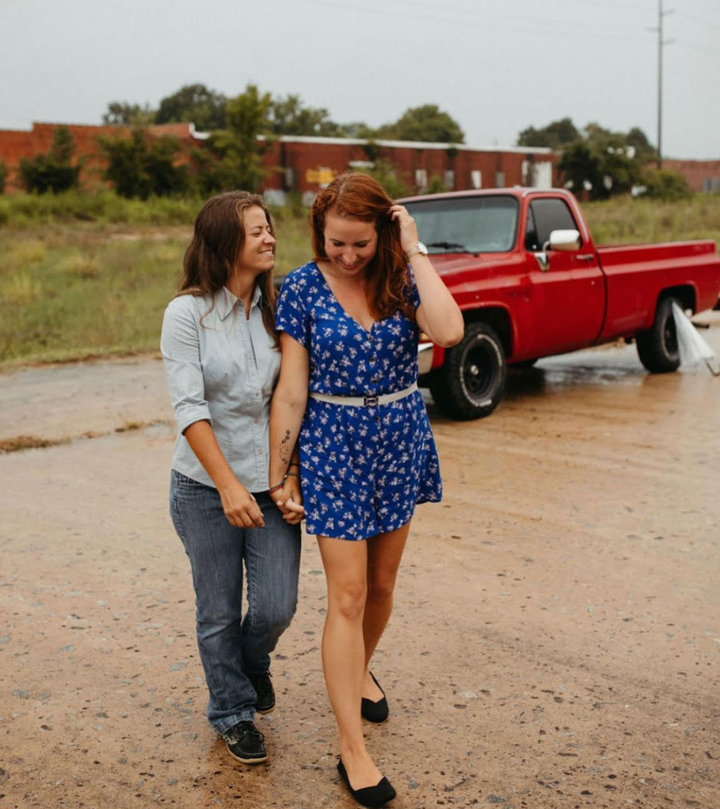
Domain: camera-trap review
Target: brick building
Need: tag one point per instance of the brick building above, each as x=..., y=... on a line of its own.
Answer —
x=701, y=175
x=17, y=143
x=305, y=164
x=309, y=163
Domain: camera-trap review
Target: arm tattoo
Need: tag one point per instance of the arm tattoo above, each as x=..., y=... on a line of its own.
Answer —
x=285, y=448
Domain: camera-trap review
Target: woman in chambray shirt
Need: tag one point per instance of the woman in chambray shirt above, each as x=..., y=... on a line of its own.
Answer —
x=222, y=362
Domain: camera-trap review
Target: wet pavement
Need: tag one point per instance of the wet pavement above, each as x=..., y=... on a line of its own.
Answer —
x=556, y=633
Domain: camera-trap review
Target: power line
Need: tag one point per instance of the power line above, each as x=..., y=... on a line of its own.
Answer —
x=488, y=18
x=446, y=20
x=700, y=20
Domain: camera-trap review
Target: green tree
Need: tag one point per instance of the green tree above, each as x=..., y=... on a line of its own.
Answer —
x=580, y=166
x=666, y=185
x=141, y=166
x=194, y=103
x=645, y=152
x=120, y=113
x=385, y=173
x=238, y=148
x=426, y=123
x=54, y=171
x=553, y=136
x=288, y=116
x=3, y=175
x=357, y=129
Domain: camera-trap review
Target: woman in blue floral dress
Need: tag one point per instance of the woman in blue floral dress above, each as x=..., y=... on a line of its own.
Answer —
x=349, y=323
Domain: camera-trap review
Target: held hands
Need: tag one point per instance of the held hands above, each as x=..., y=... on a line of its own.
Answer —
x=240, y=507
x=289, y=500
x=406, y=224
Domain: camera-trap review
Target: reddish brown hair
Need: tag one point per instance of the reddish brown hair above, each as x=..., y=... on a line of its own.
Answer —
x=216, y=246
x=360, y=197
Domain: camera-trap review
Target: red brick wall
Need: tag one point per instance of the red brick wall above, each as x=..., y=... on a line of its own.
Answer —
x=305, y=158
x=696, y=172
x=15, y=144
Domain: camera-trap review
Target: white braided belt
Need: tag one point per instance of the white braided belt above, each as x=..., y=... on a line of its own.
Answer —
x=365, y=401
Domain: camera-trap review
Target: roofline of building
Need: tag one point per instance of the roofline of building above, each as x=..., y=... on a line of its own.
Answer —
x=411, y=144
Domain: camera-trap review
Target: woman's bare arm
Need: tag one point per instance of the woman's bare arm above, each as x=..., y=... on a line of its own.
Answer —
x=287, y=409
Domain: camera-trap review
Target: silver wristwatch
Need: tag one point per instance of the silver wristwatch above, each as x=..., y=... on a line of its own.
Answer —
x=419, y=248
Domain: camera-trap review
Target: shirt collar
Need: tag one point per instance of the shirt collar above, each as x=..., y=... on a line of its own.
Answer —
x=225, y=301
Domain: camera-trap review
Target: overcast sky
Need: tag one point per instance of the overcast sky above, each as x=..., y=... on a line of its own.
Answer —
x=496, y=66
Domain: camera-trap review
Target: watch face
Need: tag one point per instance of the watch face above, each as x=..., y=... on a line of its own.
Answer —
x=422, y=249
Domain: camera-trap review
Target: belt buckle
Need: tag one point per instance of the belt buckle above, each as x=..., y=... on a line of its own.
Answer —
x=370, y=401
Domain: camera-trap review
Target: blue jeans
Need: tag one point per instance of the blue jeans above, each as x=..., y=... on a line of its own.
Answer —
x=232, y=647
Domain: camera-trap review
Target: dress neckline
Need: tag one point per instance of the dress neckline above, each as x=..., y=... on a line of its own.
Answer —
x=339, y=305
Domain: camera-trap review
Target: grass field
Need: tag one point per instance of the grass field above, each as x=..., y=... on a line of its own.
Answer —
x=91, y=276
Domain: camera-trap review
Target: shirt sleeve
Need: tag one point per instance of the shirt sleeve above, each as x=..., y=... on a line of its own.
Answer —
x=291, y=314
x=412, y=290
x=180, y=347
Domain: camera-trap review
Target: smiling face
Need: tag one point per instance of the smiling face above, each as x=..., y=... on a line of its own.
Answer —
x=258, y=250
x=350, y=244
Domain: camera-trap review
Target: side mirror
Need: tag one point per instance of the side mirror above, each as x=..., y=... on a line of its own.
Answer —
x=567, y=241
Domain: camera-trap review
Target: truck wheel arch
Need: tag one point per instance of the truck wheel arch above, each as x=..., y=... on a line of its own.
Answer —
x=499, y=320
x=686, y=295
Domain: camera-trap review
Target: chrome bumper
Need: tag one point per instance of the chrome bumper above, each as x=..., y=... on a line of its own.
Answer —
x=425, y=358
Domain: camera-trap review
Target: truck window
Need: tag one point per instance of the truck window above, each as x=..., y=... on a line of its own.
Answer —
x=547, y=215
x=482, y=224
x=531, y=238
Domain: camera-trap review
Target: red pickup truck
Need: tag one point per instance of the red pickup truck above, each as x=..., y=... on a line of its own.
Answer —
x=522, y=265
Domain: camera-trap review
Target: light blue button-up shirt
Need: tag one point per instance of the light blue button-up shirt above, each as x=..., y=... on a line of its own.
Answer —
x=222, y=368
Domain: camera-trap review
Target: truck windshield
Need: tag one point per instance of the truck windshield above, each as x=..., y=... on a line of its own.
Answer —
x=467, y=224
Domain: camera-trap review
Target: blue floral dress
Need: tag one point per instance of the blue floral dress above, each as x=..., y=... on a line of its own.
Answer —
x=363, y=468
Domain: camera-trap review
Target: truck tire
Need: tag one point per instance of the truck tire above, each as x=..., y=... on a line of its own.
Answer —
x=657, y=347
x=471, y=382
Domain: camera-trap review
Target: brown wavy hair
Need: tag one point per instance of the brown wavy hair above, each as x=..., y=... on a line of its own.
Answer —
x=360, y=197
x=216, y=246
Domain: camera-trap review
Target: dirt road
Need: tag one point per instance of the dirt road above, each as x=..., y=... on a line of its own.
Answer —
x=554, y=644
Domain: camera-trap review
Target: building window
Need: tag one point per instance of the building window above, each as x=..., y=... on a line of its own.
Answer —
x=289, y=179
x=476, y=178
x=449, y=180
x=421, y=180
x=711, y=184
x=499, y=179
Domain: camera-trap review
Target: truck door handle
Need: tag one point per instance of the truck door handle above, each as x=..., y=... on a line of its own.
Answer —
x=586, y=257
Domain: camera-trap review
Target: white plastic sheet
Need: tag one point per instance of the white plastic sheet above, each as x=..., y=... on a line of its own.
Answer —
x=692, y=347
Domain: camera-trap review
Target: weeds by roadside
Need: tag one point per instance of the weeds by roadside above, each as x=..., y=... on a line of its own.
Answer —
x=84, y=276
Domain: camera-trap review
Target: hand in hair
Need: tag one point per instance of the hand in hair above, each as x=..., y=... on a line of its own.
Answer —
x=406, y=224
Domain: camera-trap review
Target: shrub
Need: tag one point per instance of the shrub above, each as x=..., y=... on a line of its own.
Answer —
x=140, y=166
x=55, y=170
x=3, y=175
x=667, y=185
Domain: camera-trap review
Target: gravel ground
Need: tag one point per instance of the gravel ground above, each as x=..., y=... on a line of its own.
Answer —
x=554, y=643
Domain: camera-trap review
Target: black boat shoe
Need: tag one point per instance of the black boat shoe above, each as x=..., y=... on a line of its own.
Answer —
x=264, y=690
x=375, y=711
x=245, y=743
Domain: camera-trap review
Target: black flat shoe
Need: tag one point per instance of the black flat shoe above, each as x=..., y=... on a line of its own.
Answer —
x=381, y=793
x=375, y=711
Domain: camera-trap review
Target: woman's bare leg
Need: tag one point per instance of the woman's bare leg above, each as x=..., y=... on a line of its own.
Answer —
x=383, y=560
x=343, y=651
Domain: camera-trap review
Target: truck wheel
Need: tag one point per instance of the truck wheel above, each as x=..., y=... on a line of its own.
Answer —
x=471, y=382
x=657, y=347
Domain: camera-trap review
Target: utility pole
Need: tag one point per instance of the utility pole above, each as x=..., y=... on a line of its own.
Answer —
x=661, y=43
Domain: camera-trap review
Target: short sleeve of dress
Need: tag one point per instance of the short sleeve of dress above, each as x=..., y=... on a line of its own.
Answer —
x=412, y=290
x=291, y=314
